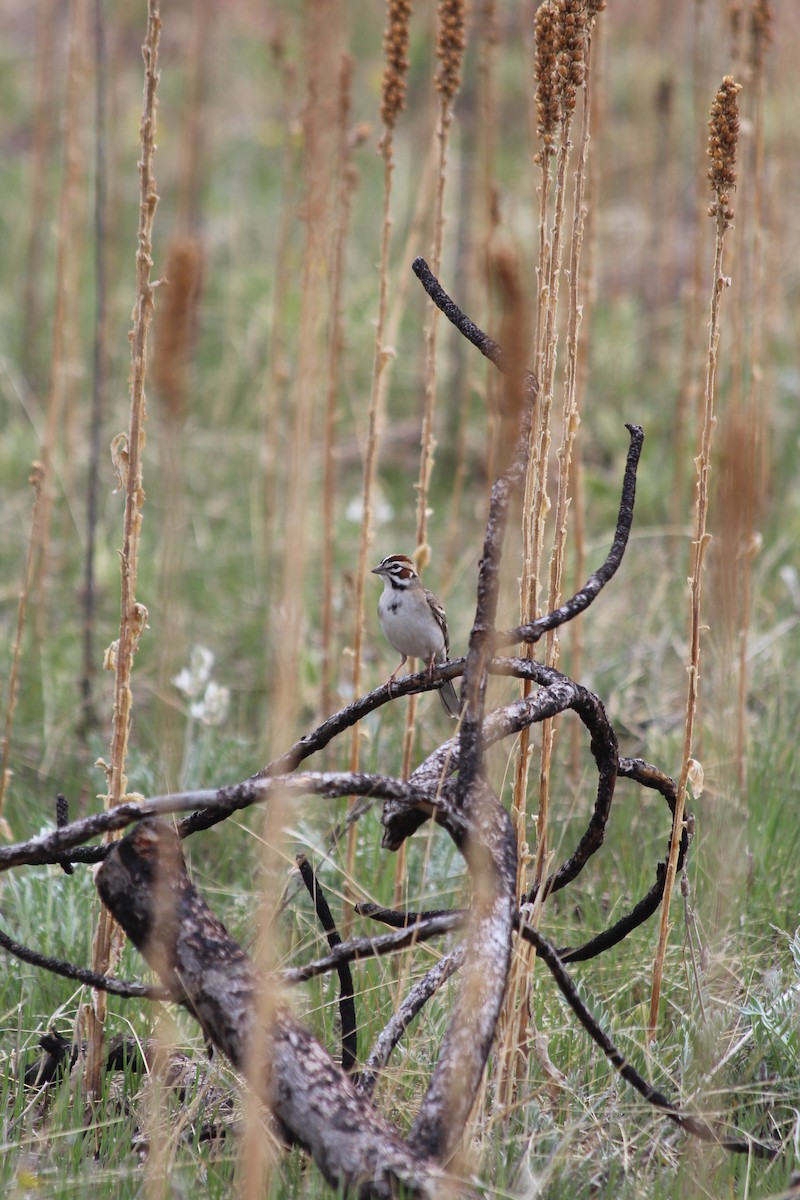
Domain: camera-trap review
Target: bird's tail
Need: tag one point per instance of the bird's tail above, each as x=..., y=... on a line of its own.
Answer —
x=450, y=700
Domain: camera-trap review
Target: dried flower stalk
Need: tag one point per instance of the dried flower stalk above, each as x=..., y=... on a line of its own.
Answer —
x=450, y=46
x=396, y=43
x=133, y=615
x=68, y=263
x=347, y=179
x=722, y=143
x=35, y=480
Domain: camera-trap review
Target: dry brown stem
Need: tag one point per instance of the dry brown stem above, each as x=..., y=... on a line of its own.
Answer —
x=396, y=41
x=35, y=479
x=133, y=615
x=569, y=428
x=65, y=314
x=450, y=46
x=174, y=331
x=722, y=142
x=346, y=181
x=43, y=137
x=274, y=393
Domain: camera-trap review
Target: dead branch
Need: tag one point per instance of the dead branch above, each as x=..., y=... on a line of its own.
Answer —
x=695, y=1125
x=347, y=1004
x=484, y=834
x=312, y=1100
x=407, y=1010
x=598, y=579
x=357, y=949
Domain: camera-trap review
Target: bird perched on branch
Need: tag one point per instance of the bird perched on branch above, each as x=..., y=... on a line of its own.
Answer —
x=413, y=621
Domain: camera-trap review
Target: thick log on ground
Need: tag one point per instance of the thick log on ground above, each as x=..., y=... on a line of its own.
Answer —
x=144, y=884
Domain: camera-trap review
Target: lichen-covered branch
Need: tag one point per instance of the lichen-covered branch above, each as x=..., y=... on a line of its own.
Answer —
x=312, y=1100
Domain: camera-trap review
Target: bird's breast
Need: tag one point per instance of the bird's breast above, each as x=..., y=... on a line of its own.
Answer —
x=410, y=628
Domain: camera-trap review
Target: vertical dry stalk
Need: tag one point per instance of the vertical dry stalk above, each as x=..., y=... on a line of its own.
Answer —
x=173, y=335
x=479, y=270
x=570, y=418
x=561, y=36
x=450, y=47
x=35, y=480
x=546, y=50
x=755, y=417
x=43, y=133
x=275, y=385
x=548, y=41
x=396, y=43
x=321, y=133
x=194, y=121
x=593, y=96
x=347, y=179
x=259, y=1151
x=89, y=716
x=321, y=141
x=70, y=225
x=133, y=615
x=722, y=143
x=515, y=338
x=688, y=397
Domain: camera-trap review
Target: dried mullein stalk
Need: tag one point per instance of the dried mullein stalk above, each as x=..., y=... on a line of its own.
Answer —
x=395, y=49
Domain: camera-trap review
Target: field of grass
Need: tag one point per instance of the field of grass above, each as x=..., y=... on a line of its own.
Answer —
x=266, y=245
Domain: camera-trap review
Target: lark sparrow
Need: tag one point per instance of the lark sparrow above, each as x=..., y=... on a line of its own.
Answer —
x=413, y=620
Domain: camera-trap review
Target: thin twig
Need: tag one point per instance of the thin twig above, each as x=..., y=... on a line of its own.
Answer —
x=347, y=1007
x=695, y=1125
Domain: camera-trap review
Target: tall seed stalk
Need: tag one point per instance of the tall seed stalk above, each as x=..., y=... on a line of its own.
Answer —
x=722, y=143
x=689, y=399
x=479, y=270
x=35, y=480
x=68, y=264
x=320, y=148
x=755, y=416
x=562, y=53
x=450, y=47
x=285, y=618
x=89, y=716
x=133, y=615
x=396, y=40
x=173, y=336
x=580, y=55
x=44, y=131
x=346, y=181
x=553, y=128
x=275, y=389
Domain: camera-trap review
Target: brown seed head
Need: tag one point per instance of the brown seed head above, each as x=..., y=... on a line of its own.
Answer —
x=451, y=42
x=571, y=66
x=174, y=326
x=395, y=47
x=545, y=66
x=722, y=139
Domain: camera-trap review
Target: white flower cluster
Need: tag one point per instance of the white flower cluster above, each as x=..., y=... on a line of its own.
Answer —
x=209, y=701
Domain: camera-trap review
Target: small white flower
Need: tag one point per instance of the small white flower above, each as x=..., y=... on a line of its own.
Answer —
x=696, y=777
x=213, y=708
x=382, y=511
x=192, y=679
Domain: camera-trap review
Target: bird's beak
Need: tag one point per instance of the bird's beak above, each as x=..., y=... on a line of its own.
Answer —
x=376, y=571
